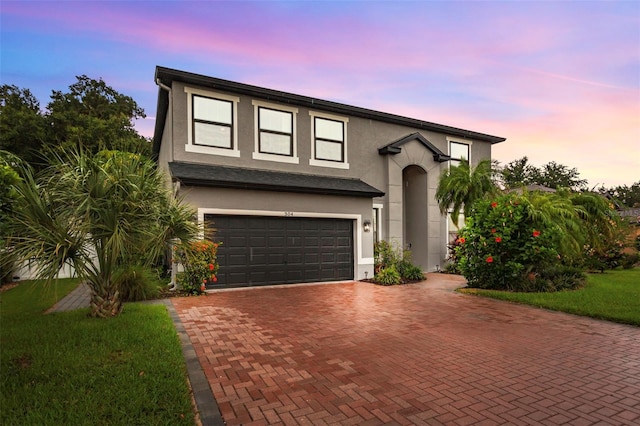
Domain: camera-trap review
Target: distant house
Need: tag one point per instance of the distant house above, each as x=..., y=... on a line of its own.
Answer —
x=298, y=189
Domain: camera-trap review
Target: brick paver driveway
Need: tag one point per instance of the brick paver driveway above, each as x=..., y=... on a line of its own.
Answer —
x=356, y=353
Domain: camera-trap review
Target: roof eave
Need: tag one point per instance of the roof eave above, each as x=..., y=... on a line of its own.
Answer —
x=167, y=76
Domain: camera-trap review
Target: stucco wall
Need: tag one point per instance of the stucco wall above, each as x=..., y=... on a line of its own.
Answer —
x=364, y=137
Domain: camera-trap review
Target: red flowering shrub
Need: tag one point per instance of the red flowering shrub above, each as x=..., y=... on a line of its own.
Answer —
x=503, y=249
x=198, y=260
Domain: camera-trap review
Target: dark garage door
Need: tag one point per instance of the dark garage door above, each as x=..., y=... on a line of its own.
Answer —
x=259, y=250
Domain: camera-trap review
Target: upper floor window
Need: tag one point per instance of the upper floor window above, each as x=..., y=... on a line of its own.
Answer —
x=212, y=125
x=275, y=132
x=329, y=141
x=212, y=122
x=458, y=151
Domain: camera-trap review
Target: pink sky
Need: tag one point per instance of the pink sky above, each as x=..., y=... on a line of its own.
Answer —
x=559, y=80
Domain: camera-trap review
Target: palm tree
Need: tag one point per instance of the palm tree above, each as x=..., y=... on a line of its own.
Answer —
x=602, y=222
x=460, y=186
x=101, y=214
x=555, y=211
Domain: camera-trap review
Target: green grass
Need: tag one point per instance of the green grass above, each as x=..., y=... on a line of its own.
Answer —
x=614, y=296
x=69, y=369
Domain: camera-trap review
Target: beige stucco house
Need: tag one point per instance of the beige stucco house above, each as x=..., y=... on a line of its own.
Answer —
x=298, y=188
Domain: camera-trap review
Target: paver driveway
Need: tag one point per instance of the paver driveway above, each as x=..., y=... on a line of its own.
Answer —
x=357, y=353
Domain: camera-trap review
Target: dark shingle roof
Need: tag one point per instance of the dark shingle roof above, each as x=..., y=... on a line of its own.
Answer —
x=242, y=178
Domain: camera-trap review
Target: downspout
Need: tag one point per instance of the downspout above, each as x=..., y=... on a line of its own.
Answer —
x=173, y=284
x=170, y=106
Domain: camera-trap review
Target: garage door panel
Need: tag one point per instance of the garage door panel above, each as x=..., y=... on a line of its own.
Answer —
x=276, y=241
x=276, y=250
x=235, y=241
x=328, y=257
x=327, y=242
x=237, y=259
x=311, y=258
x=295, y=259
x=343, y=242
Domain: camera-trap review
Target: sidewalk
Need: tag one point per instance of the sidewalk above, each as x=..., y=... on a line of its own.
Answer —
x=79, y=298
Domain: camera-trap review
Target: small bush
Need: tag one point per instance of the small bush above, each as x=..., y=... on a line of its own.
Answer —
x=629, y=260
x=199, y=260
x=387, y=257
x=388, y=276
x=136, y=283
x=452, y=268
x=409, y=271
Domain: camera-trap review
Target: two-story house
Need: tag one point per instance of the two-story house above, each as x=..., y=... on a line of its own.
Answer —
x=298, y=189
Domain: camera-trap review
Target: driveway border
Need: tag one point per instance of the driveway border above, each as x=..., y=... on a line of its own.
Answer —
x=203, y=395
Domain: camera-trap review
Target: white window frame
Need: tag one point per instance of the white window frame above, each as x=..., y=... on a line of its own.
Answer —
x=326, y=163
x=450, y=231
x=377, y=209
x=257, y=155
x=459, y=142
x=201, y=149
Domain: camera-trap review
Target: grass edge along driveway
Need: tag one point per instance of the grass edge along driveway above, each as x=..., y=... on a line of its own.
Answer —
x=613, y=295
x=67, y=368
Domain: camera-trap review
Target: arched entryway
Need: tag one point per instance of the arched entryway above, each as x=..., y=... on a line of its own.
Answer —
x=414, y=197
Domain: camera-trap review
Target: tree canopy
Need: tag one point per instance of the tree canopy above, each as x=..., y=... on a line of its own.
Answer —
x=623, y=195
x=22, y=125
x=91, y=115
x=553, y=175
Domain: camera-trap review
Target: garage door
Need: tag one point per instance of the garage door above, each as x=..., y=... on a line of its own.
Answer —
x=259, y=250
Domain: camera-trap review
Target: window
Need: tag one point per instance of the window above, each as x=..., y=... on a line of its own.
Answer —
x=452, y=228
x=212, y=123
x=329, y=139
x=458, y=151
x=376, y=224
x=275, y=132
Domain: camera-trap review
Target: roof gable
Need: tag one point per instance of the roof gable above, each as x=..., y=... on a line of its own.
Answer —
x=396, y=147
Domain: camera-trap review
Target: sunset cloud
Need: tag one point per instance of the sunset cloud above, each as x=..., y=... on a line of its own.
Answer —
x=558, y=79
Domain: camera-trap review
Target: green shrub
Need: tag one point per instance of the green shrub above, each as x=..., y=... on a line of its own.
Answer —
x=501, y=249
x=452, y=268
x=629, y=260
x=386, y=256
x=388, y=276
x=136, y=283
x=409, y=271
x=199, y=260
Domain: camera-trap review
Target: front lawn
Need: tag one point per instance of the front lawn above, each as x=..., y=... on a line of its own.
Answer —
x=69, y=369
x=613, y=295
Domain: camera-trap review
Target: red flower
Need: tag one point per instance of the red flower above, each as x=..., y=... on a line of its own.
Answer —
x=498, y=239
x=536, y=233
x=204, y=281
x=202, y=287
x=461, y=240
x=215, y=279
x=493, y=230
x=489, y=259
x=494, y=204
x=211, y=266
